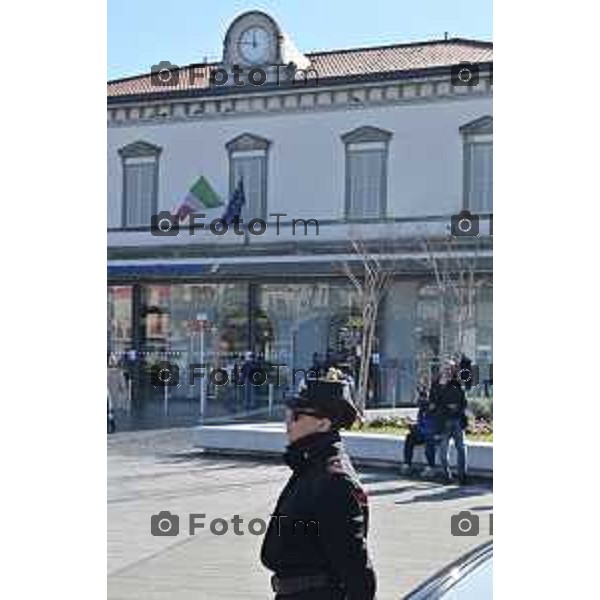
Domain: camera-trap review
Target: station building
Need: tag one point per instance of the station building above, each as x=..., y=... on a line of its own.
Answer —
x=381, y=145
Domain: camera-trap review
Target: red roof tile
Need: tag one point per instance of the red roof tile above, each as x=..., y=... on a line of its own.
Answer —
x=336, y=63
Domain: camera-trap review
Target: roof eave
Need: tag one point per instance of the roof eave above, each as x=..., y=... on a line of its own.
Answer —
x=321, y=82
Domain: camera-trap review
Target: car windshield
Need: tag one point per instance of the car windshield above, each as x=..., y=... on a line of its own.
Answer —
x=476, y=584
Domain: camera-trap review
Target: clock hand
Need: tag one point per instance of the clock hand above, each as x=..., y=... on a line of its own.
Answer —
x=254, y=39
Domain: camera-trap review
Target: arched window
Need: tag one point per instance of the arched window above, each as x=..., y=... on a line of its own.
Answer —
x=140, y=183
x=478, y=165
x=248, y=161
x=366, y=173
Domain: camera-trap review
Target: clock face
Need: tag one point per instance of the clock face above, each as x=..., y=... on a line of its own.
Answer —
x=255, y=45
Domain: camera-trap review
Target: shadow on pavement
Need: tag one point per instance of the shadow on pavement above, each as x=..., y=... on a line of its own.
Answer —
x=218, y=461
x=378, y=476
x=453, y=493
x=396, y=490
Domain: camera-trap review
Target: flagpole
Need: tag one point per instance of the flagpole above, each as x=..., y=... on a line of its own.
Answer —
x=202, y=388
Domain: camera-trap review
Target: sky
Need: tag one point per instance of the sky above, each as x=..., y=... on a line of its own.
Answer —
x=144, y=32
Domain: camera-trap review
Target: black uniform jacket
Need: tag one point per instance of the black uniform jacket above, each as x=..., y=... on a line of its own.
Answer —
x=320, y=522
x=449, y=402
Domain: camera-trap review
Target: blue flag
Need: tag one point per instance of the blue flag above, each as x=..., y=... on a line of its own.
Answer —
x=234, y=207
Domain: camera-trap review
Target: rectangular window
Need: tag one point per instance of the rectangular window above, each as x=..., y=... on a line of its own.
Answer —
x=251, y=167
x=139, y=191
x=479, y=183
x=365, y=180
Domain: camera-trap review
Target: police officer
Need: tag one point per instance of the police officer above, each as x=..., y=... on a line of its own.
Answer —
x=316, y=540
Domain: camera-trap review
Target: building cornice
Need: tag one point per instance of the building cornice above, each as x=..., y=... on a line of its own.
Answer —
x=312, y=84
x=422, y=86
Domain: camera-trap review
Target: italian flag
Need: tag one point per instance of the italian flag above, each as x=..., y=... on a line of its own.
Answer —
x=200, y=199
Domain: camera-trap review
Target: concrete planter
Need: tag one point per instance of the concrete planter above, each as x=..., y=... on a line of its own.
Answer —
x=377, y=449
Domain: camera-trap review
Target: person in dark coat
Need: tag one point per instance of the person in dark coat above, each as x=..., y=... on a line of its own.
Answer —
x=450, y=405
x=316, y=541
x=316, y=369
x=248, y=367
x=422, y=432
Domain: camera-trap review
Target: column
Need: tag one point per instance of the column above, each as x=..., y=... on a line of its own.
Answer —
x=397, y=343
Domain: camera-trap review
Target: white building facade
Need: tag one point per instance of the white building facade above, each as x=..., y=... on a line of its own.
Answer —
x=382, y=145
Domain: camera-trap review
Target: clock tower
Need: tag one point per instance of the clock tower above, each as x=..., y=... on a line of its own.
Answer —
x=255, y=41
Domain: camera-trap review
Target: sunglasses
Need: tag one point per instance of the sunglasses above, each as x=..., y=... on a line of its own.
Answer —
x=295, y=414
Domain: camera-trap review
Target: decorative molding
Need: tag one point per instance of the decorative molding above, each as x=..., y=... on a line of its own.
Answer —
x=295, y=100
x=410, y=91
x=247, y=142
x=139, y=148
x=473, y=131
x=366, y=134
x=478, y=126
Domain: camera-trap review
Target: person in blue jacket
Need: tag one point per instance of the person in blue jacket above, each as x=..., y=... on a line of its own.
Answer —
x=422, y=432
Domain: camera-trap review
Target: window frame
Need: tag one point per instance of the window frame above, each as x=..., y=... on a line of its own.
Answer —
x=138, y=153
x=248, y=145
x=362, y=140
x=479, y=131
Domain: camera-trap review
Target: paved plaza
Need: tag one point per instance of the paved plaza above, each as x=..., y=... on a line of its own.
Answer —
x=152, y=471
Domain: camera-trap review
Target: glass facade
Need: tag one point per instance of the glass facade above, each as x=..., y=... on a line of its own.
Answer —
x=450, y=322
x=294, y=325
x=119, y=319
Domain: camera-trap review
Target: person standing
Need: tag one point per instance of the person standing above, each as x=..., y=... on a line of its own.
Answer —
x=316, y=367
x=450, y=404
x=247, y=372
x=316, y=541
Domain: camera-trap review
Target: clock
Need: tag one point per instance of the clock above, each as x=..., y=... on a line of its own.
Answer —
x=255, y=45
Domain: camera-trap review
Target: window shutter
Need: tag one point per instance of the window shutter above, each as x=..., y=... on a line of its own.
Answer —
x=140, y=172
x=140, y=190
x=480, y=177
x=251, y=169
x=366, y=181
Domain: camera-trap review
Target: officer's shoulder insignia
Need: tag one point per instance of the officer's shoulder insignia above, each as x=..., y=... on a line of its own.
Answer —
x=335, y=466
x=361, y=496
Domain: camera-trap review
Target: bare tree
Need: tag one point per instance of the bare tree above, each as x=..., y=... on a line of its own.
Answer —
x=454, y=271
x=370, y=275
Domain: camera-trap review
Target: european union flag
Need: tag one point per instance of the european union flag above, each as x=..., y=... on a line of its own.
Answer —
x=234, y=207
